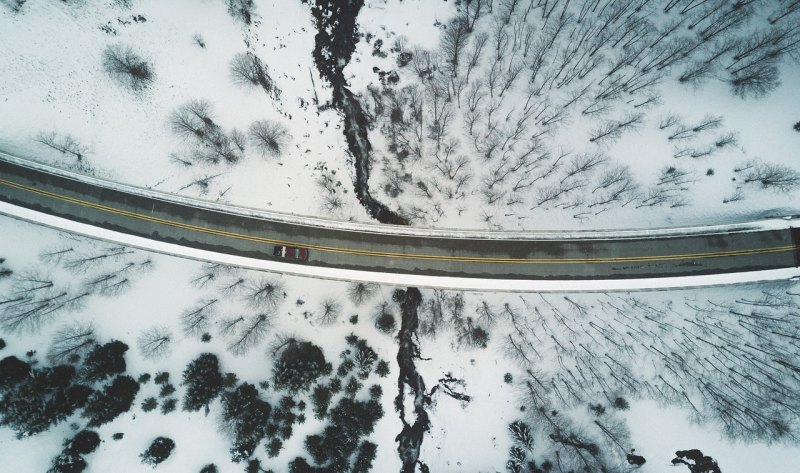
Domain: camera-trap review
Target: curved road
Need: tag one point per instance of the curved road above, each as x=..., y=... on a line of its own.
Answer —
x=587, y=256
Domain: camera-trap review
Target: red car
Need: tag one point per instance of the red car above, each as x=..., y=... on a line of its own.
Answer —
x=291, y=252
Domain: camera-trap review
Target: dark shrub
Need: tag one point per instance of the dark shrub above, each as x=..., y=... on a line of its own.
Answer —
x=104, y=361
x=245, y=415
x=299, y=365
x=68, y=463
x=115, y=399
x=149, y=404
x=158, y=451
x=13, y=370
x=84, y=442
x=203, y=382
x=382, y=369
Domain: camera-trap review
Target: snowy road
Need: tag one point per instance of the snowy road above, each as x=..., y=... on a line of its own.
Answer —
x=588, y=256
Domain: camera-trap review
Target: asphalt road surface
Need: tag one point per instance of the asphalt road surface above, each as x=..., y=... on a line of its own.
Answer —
x=567, y=259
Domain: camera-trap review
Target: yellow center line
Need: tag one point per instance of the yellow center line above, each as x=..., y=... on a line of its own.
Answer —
x=332, y=249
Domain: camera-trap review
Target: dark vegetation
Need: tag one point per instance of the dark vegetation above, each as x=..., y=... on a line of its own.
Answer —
x=158, y=451
x=334, y=44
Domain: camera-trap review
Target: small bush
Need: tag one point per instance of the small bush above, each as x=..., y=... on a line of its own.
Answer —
x=597, y=409
x=158, y=451
x=210, y=468
x=144, y=378
x=127, y=67
x=385, y=322
x=168, y=405
x=162, y=377
x=621, y=403
x=118, y=436
x=507, y=378
x=382, y=369
x=166, y=390
x=149, y=404
x=797, y=126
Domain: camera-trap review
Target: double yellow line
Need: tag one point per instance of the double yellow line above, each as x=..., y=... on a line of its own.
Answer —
x=332, y=249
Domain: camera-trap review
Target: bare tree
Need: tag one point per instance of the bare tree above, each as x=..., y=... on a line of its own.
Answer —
x=65, y=144
x=34, y=300
x=250, y=331
x=193, y=119
x=197, y=319
x=360, y=292
x=70, y=342
x=247, y=69
x=127, y=67
x=210, y=272
x=267, y=293
x=241, y=10
x=454, y=40
x=755, y=82
x=269, y=137
x=81, y=262
x=329, y=311
x=155, y=343
x=774, y=176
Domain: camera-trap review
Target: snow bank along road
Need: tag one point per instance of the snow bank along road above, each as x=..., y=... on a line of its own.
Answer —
x=487, y=255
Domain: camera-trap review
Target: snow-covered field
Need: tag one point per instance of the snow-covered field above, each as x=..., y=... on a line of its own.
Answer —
x=504, y=115
x=464, y=436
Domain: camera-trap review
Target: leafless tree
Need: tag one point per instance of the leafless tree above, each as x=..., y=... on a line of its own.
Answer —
x=266, y=293
x=696, y=73
x=250, y=331
x=755, y=82
x=329, y=311
x=193, y=120
x=241, y=10
x=269, y=137
x=127, y=67
x=35, y=299
x=210, y=272
x=454, y=40
x=668, y=121
x=196, y=320
x=247, y=69
x=728, y=139
x=65, y=144
x=71, y=341
x=202, y=183
x=360, y=292
x=612, y=130
x=155, y=343
x=774, y=176
x=81, y=262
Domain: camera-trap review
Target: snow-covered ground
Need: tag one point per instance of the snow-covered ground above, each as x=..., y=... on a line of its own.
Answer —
x=712, y=368
x=54, y=81
x=464, y=436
